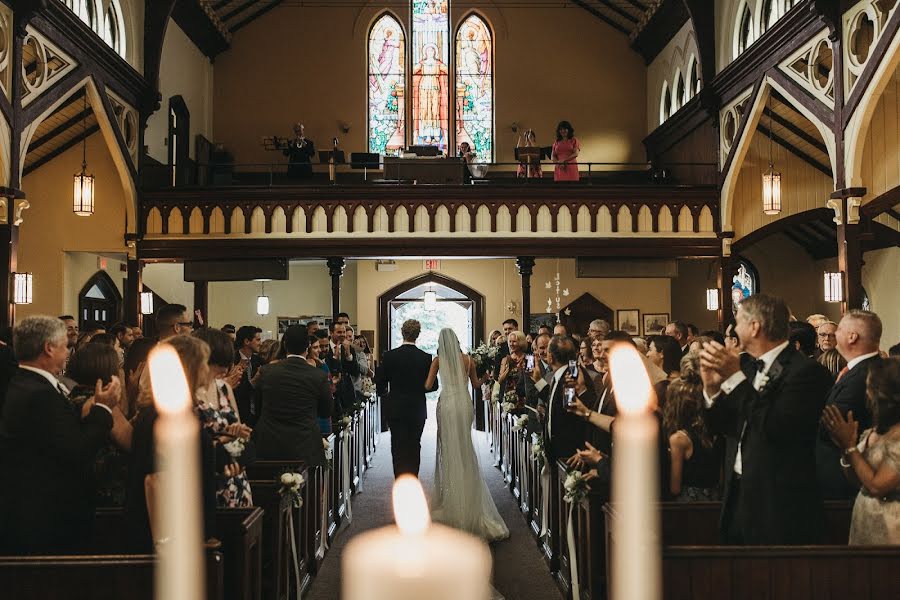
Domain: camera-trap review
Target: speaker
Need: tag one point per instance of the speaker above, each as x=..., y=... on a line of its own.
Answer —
x=236, y=270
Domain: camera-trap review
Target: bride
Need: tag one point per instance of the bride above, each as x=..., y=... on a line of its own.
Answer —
x=460, y=499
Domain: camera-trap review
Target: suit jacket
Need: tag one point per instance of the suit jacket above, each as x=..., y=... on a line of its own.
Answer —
x=47, y=453
x=780, y=498
x=344, y=393
x=525, y=387
x=847, y=394
x=402, y=376
x=606, y=405
x=567, y=432
x=294, y=394
x=247, y=401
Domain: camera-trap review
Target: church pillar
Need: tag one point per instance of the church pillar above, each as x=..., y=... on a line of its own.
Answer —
x=9, y=242
x=133, y=288
x=845, y=204
x=525, y=265
x=728, y=267
x=336, y=266
x=201, y=303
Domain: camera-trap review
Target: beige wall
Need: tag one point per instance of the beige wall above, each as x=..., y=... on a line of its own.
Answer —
x=50, y=228
x=81, y=266
x=787, y=271
x=689, y=293
x=881, y=279
x=167, y=280
x=185, y=71
x=881, y=153
x=593, y=83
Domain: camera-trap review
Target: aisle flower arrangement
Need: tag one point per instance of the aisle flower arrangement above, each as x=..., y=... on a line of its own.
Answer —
x=484, y=356
x=290, y=488
x=576, y=487
x=520, y=423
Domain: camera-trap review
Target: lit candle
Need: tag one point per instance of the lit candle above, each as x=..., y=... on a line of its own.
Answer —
x=177, y=518
x=635, y=484
x=415, y=559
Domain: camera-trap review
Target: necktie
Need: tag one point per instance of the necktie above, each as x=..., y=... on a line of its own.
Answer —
x=760, y=365
x=842, y=373
x=62, y=390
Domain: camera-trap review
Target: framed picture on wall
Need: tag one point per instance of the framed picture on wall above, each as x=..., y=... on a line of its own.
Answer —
x=629, y=320
x=655, y=323
x=285, y=322
x=539, y=319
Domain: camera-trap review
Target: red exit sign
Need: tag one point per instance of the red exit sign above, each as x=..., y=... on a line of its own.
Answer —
x=432, y=264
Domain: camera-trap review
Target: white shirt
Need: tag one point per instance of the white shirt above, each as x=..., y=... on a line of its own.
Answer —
x=56, y=383
x=737, y=379
x=859, y=359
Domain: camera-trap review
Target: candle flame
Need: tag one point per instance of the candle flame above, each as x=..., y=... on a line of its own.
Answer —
x=630, y=380
x=410, y=507
x=167, y=378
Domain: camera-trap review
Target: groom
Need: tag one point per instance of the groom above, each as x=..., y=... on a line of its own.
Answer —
x=404, y=371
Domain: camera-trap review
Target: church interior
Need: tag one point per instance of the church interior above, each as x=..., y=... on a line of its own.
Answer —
x=269, y=164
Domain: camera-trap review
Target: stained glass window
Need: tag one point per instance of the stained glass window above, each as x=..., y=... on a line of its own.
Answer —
x=475, y=87
x=744, y=284
x=387, y=86
x=430, y=73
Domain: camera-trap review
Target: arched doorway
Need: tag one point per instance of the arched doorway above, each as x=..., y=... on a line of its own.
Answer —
x=99, y=301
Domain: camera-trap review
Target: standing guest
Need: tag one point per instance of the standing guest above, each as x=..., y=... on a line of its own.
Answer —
x=894, y=350
x=313, y=355
x=803, y=337
x=93, y=328
x=84, y=338
x=495, y=337
x=47, y=447
x=342, y=318
x=531, y=168
x=565, y=152
x=71, y=330
x=858, y=339
x=768, y=409
x=508, y=327
x=172, y=320
x=135, y=363
x=312, y=327
x=123, y=334
x=816, y=320
x=873, y=460
x=300, y=151
x=268, y=352
x=585, y=355
x=231, y=330
x=692, y=333
x=510, y=368
x=833, y=361
x=664, y=352
x=679, y=331
x=560, y=330
x=528, y=380
x=545, y=330
x=599, y=328
x=247, y=342
x=566, y=432
x=341, y=358
x=827, y=336
x=294, y=395
x=598, y=365
x=695, y=457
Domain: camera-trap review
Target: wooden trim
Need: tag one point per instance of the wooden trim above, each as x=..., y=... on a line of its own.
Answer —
x=62, y=86
x=857, y=192
x=804, y=97
x=799, y=154
x=56, y=152
x=704, y=23
x=622, y=13
x=684, y=122
x=881, y=203
x=817, y=214
x=76, y=119
x=200, y=29
x=652, y=37
x=236, y=11
x=812, y=141
x=877, y=54
x=742, y=126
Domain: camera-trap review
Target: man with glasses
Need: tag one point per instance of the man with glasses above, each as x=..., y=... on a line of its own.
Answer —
x=827, y=334
x=172, y=320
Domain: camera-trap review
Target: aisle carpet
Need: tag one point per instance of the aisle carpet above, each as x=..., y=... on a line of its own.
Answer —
x=519, y=571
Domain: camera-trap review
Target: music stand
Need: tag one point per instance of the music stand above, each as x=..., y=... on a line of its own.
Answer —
x=529, y=156
x=365, y=161
x=332, y=158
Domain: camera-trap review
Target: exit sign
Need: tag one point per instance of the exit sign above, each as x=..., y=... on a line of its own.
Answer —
x=432, y=264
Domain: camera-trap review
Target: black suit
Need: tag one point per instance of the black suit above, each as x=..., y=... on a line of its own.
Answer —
x=344, y=393
x=402, y=376
x=847, y=394
x=46, y=455
x=776, y=500
x=567, y=432
x=247, y=401
x=294, y=395
x=606, y=405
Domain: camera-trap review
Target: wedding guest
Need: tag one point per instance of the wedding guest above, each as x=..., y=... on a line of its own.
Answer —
x=247, y=341
x=123, y=334
x=816, y=319
x=47, y=448
x=510, y=367
x=858, y=339
x=594, y=366
x=565, y=153
x=560, y=330
x=171, y=320
x=833, y=361
x=771, y=492
x=135, y=363
x=641, y=345
x=495, y=337
x=312, y=327
x=530, y=380
x=585, y=355
x=692, y=332
x=84, y=338
x=313, y=359
x=341, y=358
x=231, y=330
x=531, y=169
x=565, y=431
x=826, y=334
x=598, y=328
x=678, y=330
x=268, y=351
x=71, y=330
x=137, y=332
x=873, y=459
x=696, y=458
x=664, y=352
x=803, y=337
x=508, y=326
x=545, y=330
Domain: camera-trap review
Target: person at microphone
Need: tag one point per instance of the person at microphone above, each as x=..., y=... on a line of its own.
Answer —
x=300, y=151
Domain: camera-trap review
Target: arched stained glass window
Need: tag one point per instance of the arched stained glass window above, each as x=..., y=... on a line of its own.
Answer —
x=475, y=86
x=430, y=73
x=387, y=86
x=744, y=284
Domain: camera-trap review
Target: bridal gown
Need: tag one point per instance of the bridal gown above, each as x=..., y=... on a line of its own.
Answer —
x=461, y=498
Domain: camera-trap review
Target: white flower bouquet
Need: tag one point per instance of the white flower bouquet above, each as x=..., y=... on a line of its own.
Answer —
x=484, y=356
x=235, y=447
x=368, y=387
x=290, y=488
x=537, y=448
x=505, y=407
x=520, y=423
x=576, y=487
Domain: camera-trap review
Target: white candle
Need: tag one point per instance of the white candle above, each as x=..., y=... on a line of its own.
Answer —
x=416, y=559
x=177, y=511
x=635, y=485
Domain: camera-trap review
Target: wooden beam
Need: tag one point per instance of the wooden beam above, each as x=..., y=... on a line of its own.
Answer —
x=893, y=214
x=236, y=11
x=799, y=94
x=876, y=206
x=817, y=214
x=246, y=21
x=601, y=16
x=622, y=13
x=50, y=156
x=801, y=155
x=637, y=5
x=61, y=128
x=809, y=139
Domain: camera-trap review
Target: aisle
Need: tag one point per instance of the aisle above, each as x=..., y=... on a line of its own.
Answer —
x=519, y=571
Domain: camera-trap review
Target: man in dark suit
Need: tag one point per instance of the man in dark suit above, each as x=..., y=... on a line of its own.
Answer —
x=769, y=412
x=342, y=363
x=858, y=339
x=402, y=376
x=47, y=448
x=679, y=331
x=528, y=383
x=566, y=432
x=294, y=394
x=246, y=342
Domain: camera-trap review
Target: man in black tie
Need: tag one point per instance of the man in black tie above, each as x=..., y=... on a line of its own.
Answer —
x=246, y=343
x=858, y=339
x=401, y=380
x=47, y=448
x=769, y=412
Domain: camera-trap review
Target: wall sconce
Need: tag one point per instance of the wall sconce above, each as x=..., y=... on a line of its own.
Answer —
x=23, y=288
x=344, y=126
x=512, y=307
x=262, y=301
x=146, y=303
x=712, y=299
x=514, y=126
x=834, y=287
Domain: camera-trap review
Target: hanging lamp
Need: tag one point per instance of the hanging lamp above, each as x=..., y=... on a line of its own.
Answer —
x=83, y=199
x=771, y=184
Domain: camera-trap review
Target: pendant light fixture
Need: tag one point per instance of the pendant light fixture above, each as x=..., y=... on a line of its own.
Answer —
x=83, y=199
x=262, y=301
x=771, y=184
x=430, y=298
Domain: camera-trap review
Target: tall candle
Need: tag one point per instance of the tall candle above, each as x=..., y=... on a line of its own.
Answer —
x=635, y=480
x=415, y=559
x=178, y=522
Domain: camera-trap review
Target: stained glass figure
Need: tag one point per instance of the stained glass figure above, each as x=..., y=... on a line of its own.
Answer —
x=430, y=73
x=475, y=87
x=387, y=84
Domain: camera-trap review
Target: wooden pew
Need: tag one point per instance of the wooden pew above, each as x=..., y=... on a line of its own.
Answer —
x=94, y=577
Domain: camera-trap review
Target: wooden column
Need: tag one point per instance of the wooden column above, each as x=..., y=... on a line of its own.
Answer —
x=134, y=287
x=525, y=266
x=9, y=243
x=850, y=264
x=336, y=266
x=728, y=267
x=201, y=302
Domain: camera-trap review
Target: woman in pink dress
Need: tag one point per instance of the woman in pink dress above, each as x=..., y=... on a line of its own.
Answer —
x=565, y=151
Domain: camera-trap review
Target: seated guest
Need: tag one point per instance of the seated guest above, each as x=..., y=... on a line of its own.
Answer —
x=803, y=338
x=218, y=413
x=833, y=361
x=858, y=340
x=294, y=394
x=695, y=457
x=110, y=469
x=768, y=409
x=47, y=448
x=873, y=459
